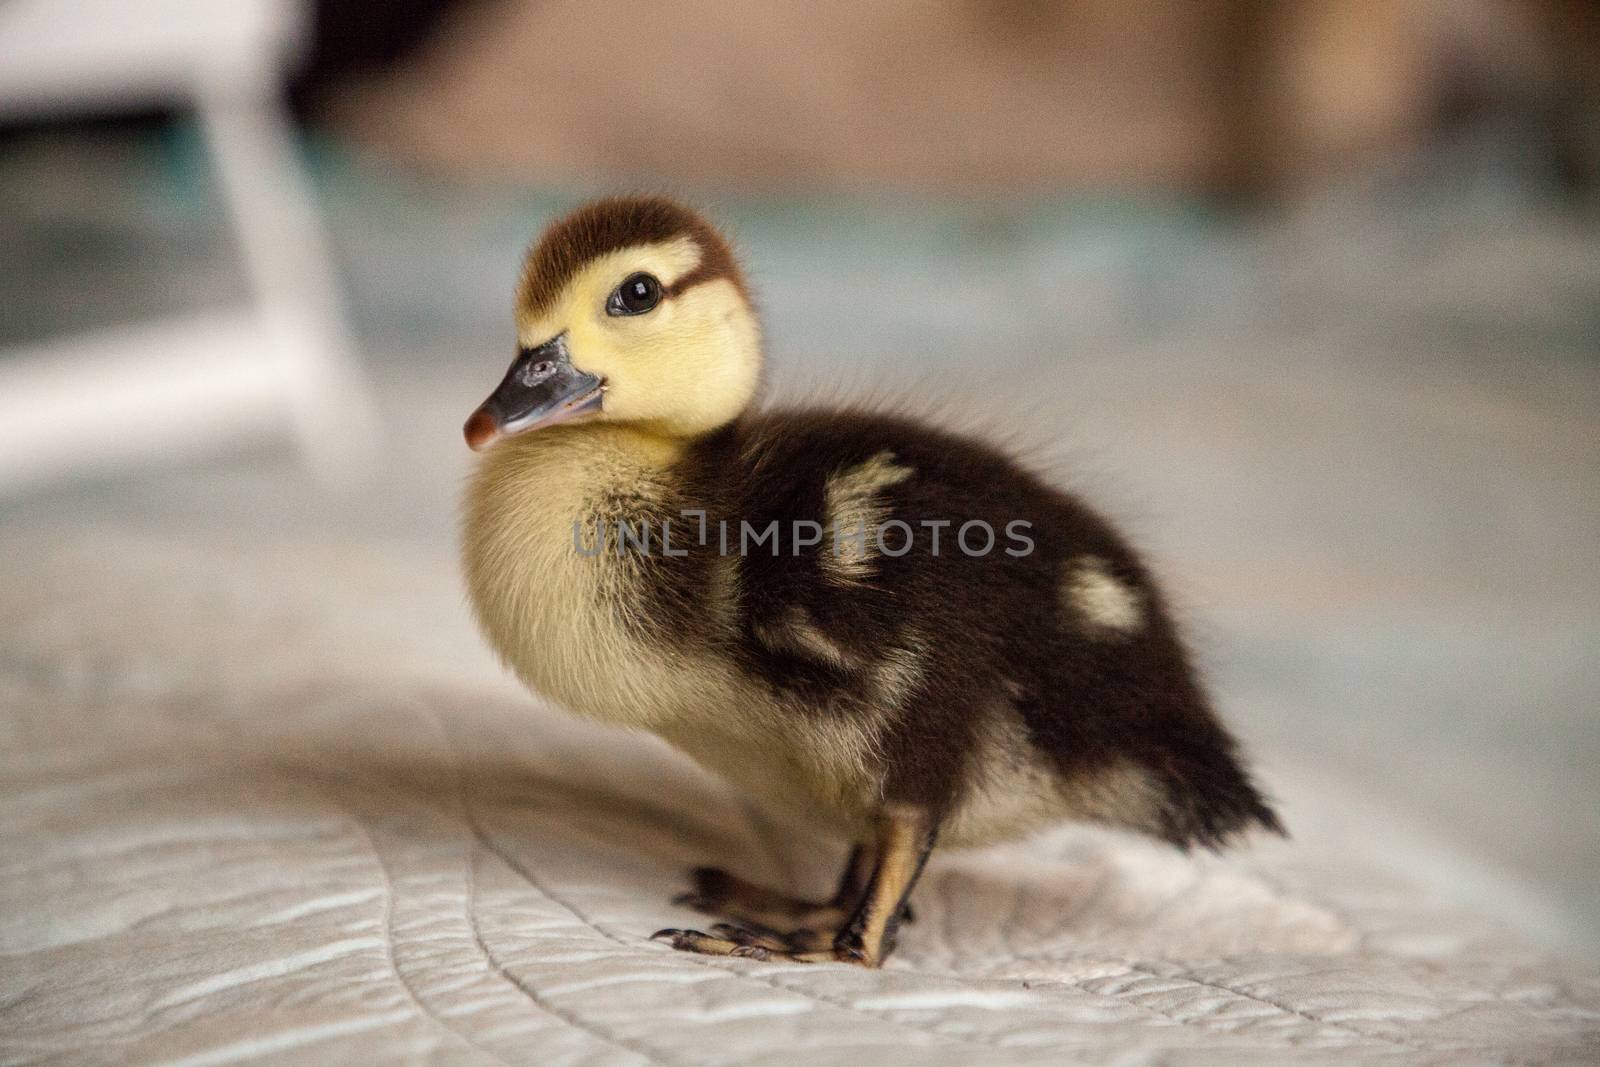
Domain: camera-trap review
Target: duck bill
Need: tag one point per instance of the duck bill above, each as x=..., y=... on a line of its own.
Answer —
x=541, y=389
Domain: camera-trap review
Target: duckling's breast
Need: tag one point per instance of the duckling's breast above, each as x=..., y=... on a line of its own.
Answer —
x=573, y=624
x=557, y=613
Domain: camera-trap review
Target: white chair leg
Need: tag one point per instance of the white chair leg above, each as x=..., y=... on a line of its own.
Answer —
x=273, y=212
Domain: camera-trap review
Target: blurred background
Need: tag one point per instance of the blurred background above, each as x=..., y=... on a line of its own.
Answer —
x=1306, y=293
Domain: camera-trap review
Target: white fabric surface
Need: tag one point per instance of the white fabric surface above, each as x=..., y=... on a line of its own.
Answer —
x=268, y=800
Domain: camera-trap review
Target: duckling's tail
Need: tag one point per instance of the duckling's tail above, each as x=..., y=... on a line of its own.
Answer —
x=1210, y=800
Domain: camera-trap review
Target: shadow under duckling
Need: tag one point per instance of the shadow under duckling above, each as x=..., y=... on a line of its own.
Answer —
x=893, y=631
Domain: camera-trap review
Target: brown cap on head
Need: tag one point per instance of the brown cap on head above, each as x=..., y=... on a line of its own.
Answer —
x=610, y=225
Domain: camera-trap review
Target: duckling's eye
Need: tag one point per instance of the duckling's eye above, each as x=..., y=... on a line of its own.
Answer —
x=636, y=295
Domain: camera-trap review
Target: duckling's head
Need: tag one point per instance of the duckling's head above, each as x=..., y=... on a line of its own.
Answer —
x=630, y=310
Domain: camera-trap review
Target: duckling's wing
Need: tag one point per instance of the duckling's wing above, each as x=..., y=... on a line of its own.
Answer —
x=813, y=495
x=1059, y=640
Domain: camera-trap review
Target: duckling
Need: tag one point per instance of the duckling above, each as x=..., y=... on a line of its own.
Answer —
x=894, y=632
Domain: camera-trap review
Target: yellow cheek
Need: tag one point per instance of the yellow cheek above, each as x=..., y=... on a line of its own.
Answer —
x=690, y=365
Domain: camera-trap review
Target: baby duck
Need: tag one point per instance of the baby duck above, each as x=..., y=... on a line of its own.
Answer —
x=894, y=632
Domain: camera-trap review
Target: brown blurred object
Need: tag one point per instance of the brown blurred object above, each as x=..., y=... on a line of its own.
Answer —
x=1344, y=81
x=968, y=95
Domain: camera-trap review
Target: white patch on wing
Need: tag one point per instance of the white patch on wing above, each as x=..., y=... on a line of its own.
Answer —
x=795, y=631
x=900, y=669
x=1099, y=598
x=855, y=511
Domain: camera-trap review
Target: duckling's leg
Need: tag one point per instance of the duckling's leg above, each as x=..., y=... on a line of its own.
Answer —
x=904, y=841
x=904, y=838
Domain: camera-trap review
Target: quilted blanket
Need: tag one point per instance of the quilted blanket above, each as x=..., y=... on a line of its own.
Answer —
x=267, y=800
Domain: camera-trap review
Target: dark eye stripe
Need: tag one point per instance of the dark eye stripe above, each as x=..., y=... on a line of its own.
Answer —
x=705, y=272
